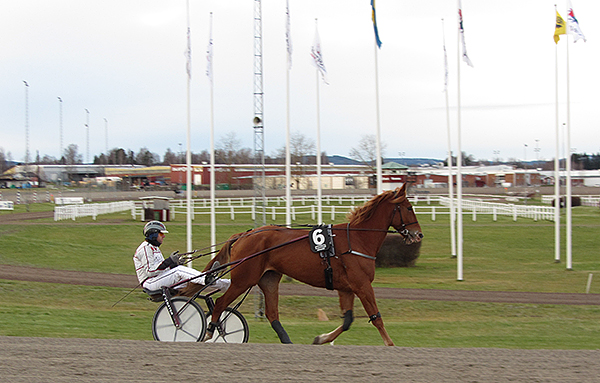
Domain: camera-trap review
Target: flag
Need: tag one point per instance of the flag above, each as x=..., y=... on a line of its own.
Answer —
x=375, y=24
x=188, y=55
x=317, y=55
x=462, y=36
x=560, y=29
x=209, y=53
x=574, y=25
x=445, y=68
x=288, y=35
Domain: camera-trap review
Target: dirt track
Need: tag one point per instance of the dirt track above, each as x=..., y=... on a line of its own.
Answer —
x=101, y=360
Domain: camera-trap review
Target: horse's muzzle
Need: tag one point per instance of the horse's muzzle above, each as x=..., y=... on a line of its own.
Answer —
x=412, y=237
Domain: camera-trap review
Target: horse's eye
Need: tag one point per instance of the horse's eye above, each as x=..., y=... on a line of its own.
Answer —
x=409, y=208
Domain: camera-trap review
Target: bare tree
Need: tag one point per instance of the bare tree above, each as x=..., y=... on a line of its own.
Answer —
x=171, y=157
x=366, y=152
x=146, y=157
x=301, y=150
x=72, y=156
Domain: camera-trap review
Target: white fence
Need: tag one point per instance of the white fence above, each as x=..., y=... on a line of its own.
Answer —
x=586, y=200
x=91, y=210
x=423, y=206
x=494, y=208
x=276, y=206
x=7, y=205
x=68, y=200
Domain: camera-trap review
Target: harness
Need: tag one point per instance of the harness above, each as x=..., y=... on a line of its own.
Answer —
x=321, y=241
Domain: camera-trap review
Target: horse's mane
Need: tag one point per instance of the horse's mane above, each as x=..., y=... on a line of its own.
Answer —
x=364, y=212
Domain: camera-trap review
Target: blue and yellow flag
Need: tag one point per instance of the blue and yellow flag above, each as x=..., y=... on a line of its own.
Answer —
x=560, y=29
x=375, y=24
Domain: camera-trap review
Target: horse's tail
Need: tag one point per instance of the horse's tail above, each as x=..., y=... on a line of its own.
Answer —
x=224, y=255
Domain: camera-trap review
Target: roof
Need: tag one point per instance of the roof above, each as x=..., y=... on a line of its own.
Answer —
x=393, y=166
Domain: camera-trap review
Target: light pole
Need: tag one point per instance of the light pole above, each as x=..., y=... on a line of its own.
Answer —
x=106, y=135
x=26, y=124
x=497, y=154
x=180, y=153
x=87, y=135
x=525, y=164
x=60, y=128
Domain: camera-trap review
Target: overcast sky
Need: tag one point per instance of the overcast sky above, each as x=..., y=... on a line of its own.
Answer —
x=123, y=60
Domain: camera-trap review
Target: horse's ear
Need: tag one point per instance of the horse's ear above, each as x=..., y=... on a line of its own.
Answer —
x=403, y=188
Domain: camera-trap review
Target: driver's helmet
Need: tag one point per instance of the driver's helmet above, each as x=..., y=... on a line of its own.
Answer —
x=154, y=227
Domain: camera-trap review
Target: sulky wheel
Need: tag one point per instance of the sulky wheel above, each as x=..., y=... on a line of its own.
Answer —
x=233, y=328
x=193, y=322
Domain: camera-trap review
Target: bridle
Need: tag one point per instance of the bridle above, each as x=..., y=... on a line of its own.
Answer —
x=404, y=231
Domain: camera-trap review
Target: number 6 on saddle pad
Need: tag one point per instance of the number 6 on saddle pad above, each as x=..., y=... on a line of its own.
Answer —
x=320, y=238
x=321, y=241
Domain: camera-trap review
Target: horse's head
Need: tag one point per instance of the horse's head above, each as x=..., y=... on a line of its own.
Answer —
x=404, y=219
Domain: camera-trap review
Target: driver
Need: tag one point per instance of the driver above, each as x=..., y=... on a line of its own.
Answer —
x=154, y=271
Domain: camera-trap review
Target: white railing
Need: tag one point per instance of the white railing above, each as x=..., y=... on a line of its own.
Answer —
x=68, y=200
x=7, y=205
x=586, y=200
x=91, y=210
x=494, y=208
x=337, y=206
x=332, y=206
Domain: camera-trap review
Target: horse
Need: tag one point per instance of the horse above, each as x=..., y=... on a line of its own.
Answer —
x=261, y=256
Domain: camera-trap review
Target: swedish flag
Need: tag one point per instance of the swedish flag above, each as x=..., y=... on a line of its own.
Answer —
x=375, y=24
x=560, y=29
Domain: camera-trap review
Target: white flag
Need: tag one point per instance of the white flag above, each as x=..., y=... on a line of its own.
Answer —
x=317, y=55
x=209, y=53
x=188, y=55
x=573, y=25
x=288, y=35
x=462, y=36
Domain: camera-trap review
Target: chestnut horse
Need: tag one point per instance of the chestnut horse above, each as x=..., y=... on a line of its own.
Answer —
x=261, y=256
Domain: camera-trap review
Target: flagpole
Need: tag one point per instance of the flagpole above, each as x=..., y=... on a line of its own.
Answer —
x=188, y=154
x=213, y=221
x=378, y=126
x=288, y=180
x=459, y=260
x=556, y=164
x=450, y=176
x=568, y=204
x=319, y=185
x=378, y=123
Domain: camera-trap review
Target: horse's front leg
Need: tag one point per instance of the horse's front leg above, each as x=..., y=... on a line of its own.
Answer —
x=346, y=305
x=269, y=284
x=367, y=298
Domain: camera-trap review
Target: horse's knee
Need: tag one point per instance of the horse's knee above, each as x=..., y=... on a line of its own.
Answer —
x=281, y=333
x=348, y=318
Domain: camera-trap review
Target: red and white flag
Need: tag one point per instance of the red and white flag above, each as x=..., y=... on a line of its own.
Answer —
x=573, y=25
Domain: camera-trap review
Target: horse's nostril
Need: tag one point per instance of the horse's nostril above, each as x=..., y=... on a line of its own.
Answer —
x=421, y=235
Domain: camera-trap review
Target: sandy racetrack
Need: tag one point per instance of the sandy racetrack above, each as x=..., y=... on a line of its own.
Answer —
x=98, y=360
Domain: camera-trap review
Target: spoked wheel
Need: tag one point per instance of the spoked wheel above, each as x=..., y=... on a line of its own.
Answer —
x=234, y=328
x=193, y=322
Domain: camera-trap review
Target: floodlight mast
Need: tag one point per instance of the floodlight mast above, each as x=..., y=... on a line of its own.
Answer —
x=258, y=121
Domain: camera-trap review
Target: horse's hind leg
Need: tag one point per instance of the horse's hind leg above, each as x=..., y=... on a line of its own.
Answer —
x=269, y=284
x=346, y=304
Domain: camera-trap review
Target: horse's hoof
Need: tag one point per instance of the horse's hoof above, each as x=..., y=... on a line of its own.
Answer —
x=317, y=340
x=208, y=336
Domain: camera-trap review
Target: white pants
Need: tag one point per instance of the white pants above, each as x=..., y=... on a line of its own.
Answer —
x=181, y=273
